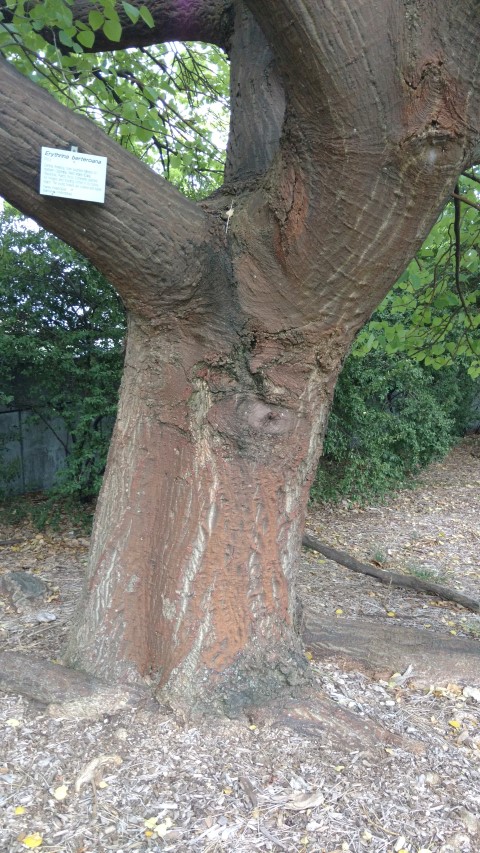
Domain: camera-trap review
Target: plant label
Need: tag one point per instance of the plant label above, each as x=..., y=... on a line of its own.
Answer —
x=71, y=174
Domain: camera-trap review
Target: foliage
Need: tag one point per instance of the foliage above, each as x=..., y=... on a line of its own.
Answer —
x=406, y=391
x=391, y=416
x=168, y=104
x=433, y=312
x=61, y=337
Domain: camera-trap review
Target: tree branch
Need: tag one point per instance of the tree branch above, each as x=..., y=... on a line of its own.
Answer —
x=389, y=578
x=141, y=209
x=460, y=197
x=257, y=101
x=196, y=20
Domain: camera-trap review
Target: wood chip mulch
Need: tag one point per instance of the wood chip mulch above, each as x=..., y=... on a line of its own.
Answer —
x=146, y=782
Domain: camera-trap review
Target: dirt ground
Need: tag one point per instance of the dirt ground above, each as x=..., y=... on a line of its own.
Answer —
x=147, y=782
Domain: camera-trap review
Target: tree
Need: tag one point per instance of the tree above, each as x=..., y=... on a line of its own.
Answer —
x=350, y=124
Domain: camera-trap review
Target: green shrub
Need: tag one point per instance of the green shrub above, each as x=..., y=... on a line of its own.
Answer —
x=390, y=418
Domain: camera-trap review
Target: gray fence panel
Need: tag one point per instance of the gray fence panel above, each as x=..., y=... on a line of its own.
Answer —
x=35, y=451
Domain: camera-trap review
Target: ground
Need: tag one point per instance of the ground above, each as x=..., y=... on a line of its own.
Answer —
x=150, y=782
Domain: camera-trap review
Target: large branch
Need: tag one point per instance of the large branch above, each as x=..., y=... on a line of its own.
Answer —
x=175, y=20
x=382, y=114
x=257, y=101
x=144, y=219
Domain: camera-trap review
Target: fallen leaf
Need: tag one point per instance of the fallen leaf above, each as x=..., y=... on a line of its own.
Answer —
x=301, y=802
x=227, y=791
x=472, y=693
x=20, y=810
x=13, y=723
x=162, y=828
x=391, y=613
x=61, y=792
x=90, y=771
x=151, y=822
x=338, y=611
x=455, y=724
x=33, y=840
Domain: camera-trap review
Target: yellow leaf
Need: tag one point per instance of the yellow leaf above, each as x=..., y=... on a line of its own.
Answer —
x=33, y=840
x=308, y=655
x=148, y=833
x=338, y=611
x=102, y=784
x=391, y=613
x=151, y=822
x=162, y=828
x=13, y=723
x=252, y=728
x=339, y=768
x=20, y=810
x=389, y=750
x=61, y=792
x=227, y=791
x=455, y=724
x=453, y=632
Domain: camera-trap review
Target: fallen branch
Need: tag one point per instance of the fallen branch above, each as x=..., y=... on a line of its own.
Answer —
x=389, y=578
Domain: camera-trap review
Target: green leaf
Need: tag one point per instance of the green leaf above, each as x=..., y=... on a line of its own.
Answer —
x=113, y=30
x=86, y=38
x=146, y=16
x=132, y=11
x=96, y=19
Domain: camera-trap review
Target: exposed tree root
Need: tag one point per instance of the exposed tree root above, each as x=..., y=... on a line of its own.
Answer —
x=76, y=695
x=383, y=649
x=319, y=718
x=389, y=578
x=68, y=692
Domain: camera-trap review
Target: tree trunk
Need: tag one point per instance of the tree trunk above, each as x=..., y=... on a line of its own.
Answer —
x=350, y=124
x=200, y=518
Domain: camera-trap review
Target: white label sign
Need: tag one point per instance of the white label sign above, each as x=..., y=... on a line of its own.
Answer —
x=70, y=174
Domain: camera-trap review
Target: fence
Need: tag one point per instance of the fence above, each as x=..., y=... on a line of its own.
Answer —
x=32, y=450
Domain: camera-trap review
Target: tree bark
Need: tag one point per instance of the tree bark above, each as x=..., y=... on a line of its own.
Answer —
x=350, y=125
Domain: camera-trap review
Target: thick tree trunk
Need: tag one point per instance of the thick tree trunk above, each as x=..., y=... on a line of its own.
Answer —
x=200, y=519
x=350, y=125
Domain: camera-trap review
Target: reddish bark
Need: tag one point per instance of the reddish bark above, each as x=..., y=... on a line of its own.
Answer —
x=350, y=124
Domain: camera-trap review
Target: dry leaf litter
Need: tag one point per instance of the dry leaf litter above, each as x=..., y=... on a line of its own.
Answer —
x=144, y=782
